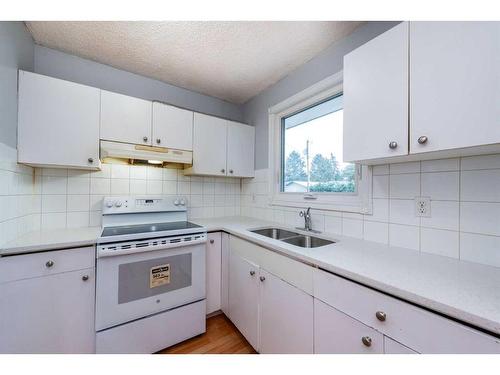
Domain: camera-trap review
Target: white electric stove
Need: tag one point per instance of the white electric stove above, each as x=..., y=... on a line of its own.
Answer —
x=150, y=290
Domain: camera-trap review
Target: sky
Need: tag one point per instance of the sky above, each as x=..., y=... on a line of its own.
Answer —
x=325, y=136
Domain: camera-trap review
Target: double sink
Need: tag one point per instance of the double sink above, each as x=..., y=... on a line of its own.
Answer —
x=293, y=238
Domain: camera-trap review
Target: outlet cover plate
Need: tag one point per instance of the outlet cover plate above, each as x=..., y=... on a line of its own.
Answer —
x=422, y=206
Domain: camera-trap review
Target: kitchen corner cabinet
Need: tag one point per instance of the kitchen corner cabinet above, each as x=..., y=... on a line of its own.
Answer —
x=125, y=119
x=172, y=127
x=222, y=147
x=47, y=302
x=58, y=123
x=448, y=72
x=213, y=272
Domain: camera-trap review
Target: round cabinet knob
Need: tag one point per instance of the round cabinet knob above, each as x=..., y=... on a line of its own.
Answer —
x=145, y=139
x=212, y=241
x=49, y=264
x=422, y=139
x=158, y=140
x=85, y=277
x=252, y=273
x=262, y=278
x=231, y=171
x=393, y=145
x=366, y=340
x=223, y=170
x=118, y=204
x=382, y=316
x=91, y=160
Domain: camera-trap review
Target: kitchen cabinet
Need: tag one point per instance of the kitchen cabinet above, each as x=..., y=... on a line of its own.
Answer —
x=125, y=119
x=338, y=333
x=48, y=307
x=213, y=272
x=446, y=71
x=376, y=97
x=222, y=147
x=224, y=300
x=455, y=85
x=240, y=149
x=286, y=317
x=58, y=123
x=172, y=127
x=244, y=297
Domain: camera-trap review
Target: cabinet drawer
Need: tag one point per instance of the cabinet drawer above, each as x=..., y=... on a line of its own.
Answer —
x=414, y=327
x=337, y=333
x=18, y=267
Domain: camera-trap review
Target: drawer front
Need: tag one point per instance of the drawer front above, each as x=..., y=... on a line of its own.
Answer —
x=337, y=333
x=25, y=266
x=423, y=331
x=296, y=273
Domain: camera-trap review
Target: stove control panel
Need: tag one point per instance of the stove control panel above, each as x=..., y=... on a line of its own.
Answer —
x=138, y=204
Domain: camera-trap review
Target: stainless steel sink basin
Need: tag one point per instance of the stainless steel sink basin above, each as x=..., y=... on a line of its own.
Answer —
x=307, y=241
x=275, y=233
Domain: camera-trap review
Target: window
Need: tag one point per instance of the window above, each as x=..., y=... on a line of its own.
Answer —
x=306, y=166
x=311, y=150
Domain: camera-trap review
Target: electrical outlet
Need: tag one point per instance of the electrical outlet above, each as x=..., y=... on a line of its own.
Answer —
x=423, y=206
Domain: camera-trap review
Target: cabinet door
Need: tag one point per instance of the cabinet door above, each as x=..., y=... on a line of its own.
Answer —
x=244, y=297
x=376, y=97
x=213, y=272
x=225, y=273
x=240, y=150
x=125, y=119
x=286, y=317
x=58, y=122
x=394, y=347
x=172, y=127
x=49, y=314
x=455, y=84
x=209, y=145
x=338, y=333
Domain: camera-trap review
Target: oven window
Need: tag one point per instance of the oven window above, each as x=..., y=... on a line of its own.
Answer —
x=148, y=278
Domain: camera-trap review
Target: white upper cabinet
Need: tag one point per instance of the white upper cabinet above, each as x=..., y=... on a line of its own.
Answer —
x=240, y=149
x=455, y=85
x=209, y=145
x=125, y=119
x=172, y=127
x=376, y=97
x=58, y=123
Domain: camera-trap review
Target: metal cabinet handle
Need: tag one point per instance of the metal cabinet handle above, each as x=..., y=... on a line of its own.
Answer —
x=49, y=264
x=382, y=316
x=393, y=145
x=252, y=273
x=212, y=241
x=366, y=340
x=223, y=170
x=85, y=277
x=262, y=278
x=145, y=139
x=422, y=139
x=230, y=171
x=158, y=140
x=90, y=160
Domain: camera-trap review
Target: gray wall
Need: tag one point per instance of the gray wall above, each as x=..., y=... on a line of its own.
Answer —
x=16, y=51
x=330, y=61
x=73, y=68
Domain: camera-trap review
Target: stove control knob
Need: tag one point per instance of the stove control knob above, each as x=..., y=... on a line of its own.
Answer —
x=118, y=204
x=176, y=202
x=183, y=202
x=109, y=204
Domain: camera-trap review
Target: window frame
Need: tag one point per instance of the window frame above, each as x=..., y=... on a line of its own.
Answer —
x=358, y=202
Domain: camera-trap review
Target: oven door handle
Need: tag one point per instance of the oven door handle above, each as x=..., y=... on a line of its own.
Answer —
x=103, y=251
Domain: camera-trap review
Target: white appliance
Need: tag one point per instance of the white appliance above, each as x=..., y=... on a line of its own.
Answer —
x=150, y=290
x=144, y=152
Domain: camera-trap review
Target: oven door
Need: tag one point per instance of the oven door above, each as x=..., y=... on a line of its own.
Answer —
x=132, y=286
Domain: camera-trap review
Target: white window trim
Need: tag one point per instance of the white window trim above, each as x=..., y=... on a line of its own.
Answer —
x=360, y=202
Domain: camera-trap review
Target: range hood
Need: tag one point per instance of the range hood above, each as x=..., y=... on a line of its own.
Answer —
x=141, y=152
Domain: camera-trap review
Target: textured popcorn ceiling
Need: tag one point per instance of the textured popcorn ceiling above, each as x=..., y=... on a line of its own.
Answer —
x=229, y=60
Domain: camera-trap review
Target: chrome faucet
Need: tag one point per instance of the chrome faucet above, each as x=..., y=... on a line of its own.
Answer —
x=306, y=214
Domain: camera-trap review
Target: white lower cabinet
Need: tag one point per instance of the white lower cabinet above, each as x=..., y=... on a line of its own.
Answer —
x=224, y=283
x=286, y=317
x=213, y=272
x=338, y=333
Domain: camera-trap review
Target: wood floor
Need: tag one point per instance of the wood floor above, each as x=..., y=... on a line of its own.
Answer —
x=221, y=337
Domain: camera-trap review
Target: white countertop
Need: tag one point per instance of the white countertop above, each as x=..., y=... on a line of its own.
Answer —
x=463, y=290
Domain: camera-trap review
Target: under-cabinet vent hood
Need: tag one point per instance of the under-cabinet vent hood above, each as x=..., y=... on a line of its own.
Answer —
x=148, y=153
